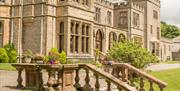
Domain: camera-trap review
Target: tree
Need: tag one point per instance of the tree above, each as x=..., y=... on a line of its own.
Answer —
x=133, y=53
x=169, y=31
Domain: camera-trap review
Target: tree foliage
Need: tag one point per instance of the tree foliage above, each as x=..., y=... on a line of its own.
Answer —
x=133, y=53
x=169, y=31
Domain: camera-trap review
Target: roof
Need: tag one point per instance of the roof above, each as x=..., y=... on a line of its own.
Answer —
x=167, y=40
x=177, y=39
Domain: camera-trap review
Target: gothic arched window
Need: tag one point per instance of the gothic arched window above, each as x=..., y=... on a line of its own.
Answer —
x=112, y=38
x=121, y=37
x=99, y=37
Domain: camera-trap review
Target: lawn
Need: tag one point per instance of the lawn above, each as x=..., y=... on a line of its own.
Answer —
x=6, y=66
x=171, y=62
x=171, y=77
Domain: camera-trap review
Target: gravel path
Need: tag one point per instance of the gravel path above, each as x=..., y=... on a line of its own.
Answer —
x=158, y=67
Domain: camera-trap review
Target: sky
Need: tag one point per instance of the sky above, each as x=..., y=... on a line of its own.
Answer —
x=170, y=11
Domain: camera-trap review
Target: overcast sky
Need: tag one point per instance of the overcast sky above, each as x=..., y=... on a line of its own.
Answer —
x=170, y=11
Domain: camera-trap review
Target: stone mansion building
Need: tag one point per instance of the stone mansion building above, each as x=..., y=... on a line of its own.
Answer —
x=79, y=26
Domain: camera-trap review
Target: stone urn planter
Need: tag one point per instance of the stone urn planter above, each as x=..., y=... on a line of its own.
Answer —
x=27, y=56
x=26, y=60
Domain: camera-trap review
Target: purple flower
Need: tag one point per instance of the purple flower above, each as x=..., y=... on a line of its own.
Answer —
x=52, y=61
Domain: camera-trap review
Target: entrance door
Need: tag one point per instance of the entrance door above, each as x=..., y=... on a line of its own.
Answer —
x=99, y=40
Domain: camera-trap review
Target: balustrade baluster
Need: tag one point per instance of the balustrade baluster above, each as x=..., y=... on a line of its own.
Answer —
x=116, y=71
x=39, y=71
x=131, y=79
x=124, y=74
x=141, y=84
x=50, y=80
x=97, y=85
x=19, y=80
x=77, y=79
x=59, y=82
x=161, y=88
x=87, y=80
x=119, y=88
x=108, y=85
x=151, y=86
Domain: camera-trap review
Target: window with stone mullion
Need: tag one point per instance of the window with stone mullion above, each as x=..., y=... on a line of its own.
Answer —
x=74, y=40
x=2, y=1
x=61, y=37
x=1, y=34
x=85, y=38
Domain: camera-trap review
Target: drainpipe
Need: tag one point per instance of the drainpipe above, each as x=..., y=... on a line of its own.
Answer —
x=20, y=33
x=12, y=22
x=129, y=26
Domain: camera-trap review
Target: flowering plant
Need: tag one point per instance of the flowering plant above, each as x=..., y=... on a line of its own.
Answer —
x=54, y=57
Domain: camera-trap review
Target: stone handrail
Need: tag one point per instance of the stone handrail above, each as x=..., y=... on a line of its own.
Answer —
x=108, y=77
x=127, y=71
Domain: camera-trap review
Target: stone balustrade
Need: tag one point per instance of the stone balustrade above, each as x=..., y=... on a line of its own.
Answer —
x=98, y=73
x=67, y=78
x=128, y=74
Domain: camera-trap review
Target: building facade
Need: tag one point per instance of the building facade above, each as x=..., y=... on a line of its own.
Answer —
x=166, y=46
x=79, y=26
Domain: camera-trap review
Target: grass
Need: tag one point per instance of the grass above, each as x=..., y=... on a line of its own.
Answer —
x=6, y=66
x=171, y=77
x=171, y=62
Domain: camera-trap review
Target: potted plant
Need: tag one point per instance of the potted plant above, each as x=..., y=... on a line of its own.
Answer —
x=38, y=58
x=53, y=57
x=27, y=56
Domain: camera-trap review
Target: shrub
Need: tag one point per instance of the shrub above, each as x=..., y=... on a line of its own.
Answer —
x=62, y=57
x=3, y=56
x=11, y=52
x=133, y=53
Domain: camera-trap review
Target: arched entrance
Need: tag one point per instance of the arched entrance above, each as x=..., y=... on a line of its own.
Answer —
x=99, y=38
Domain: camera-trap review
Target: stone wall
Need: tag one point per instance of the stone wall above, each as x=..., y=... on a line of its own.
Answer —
x=5, y=22
x=176, y=56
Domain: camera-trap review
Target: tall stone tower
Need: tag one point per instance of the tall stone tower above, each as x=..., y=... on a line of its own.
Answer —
x=152, y=25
